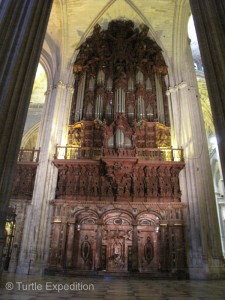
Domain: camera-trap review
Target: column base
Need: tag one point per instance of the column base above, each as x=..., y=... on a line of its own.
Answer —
x=207, y=273
x=31, y=268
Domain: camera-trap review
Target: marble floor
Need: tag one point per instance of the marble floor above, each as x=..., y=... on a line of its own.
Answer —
x=31, y=287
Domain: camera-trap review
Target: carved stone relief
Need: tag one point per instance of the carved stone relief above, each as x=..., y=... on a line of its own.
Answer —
x=148, y=250
x=85, y=249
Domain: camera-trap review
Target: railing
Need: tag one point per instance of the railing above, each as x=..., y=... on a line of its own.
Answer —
x=28, y=155
x=164, y=154
x=153, y=154
x=73, y=152
x=120, y=152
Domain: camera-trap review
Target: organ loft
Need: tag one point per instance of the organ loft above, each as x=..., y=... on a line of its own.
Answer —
x=118, y=203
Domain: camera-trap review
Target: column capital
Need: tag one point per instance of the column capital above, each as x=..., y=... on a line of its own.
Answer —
x=59, y=84
x=62, y=85
x=177, y=87
x=70, y=89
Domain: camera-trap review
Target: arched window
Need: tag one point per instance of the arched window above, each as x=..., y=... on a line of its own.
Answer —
x=35, y=110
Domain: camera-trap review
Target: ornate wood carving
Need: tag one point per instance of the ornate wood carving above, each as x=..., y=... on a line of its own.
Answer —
x=120, y=55
x=24, y=180
x=148, y=250
x=85, y=249
x=119, y=180
x=159, y=237
x=118, y=186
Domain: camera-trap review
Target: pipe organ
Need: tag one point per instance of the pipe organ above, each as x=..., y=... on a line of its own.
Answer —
x=118, y=202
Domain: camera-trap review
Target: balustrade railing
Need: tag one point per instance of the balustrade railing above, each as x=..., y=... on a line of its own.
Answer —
x=153, y=154
x=164, y=154
x=120, y=152
x=73, y=152
x=28, y=155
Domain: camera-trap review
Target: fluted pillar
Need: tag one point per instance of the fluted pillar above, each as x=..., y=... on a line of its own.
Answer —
x=51, y=133
x=204, y=254
x=22, y=30
x=209, y=19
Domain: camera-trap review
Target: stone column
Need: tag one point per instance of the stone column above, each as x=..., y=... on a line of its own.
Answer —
x=38, y=218
x=209, y=19
x=55, y=241
x=203, y=245
x=204, y=250
x=22, y=31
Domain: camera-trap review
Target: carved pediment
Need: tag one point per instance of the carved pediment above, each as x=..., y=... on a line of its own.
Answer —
x=122, y=47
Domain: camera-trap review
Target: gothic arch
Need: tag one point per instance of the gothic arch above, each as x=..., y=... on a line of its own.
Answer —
x=47, y=63
x=180, y=41
x=37, y=106
x=30, y=137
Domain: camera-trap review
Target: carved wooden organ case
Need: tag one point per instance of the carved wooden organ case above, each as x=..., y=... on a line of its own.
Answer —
x=117, y=205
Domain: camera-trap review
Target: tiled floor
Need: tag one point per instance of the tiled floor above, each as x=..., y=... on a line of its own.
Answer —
x=106, y=288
